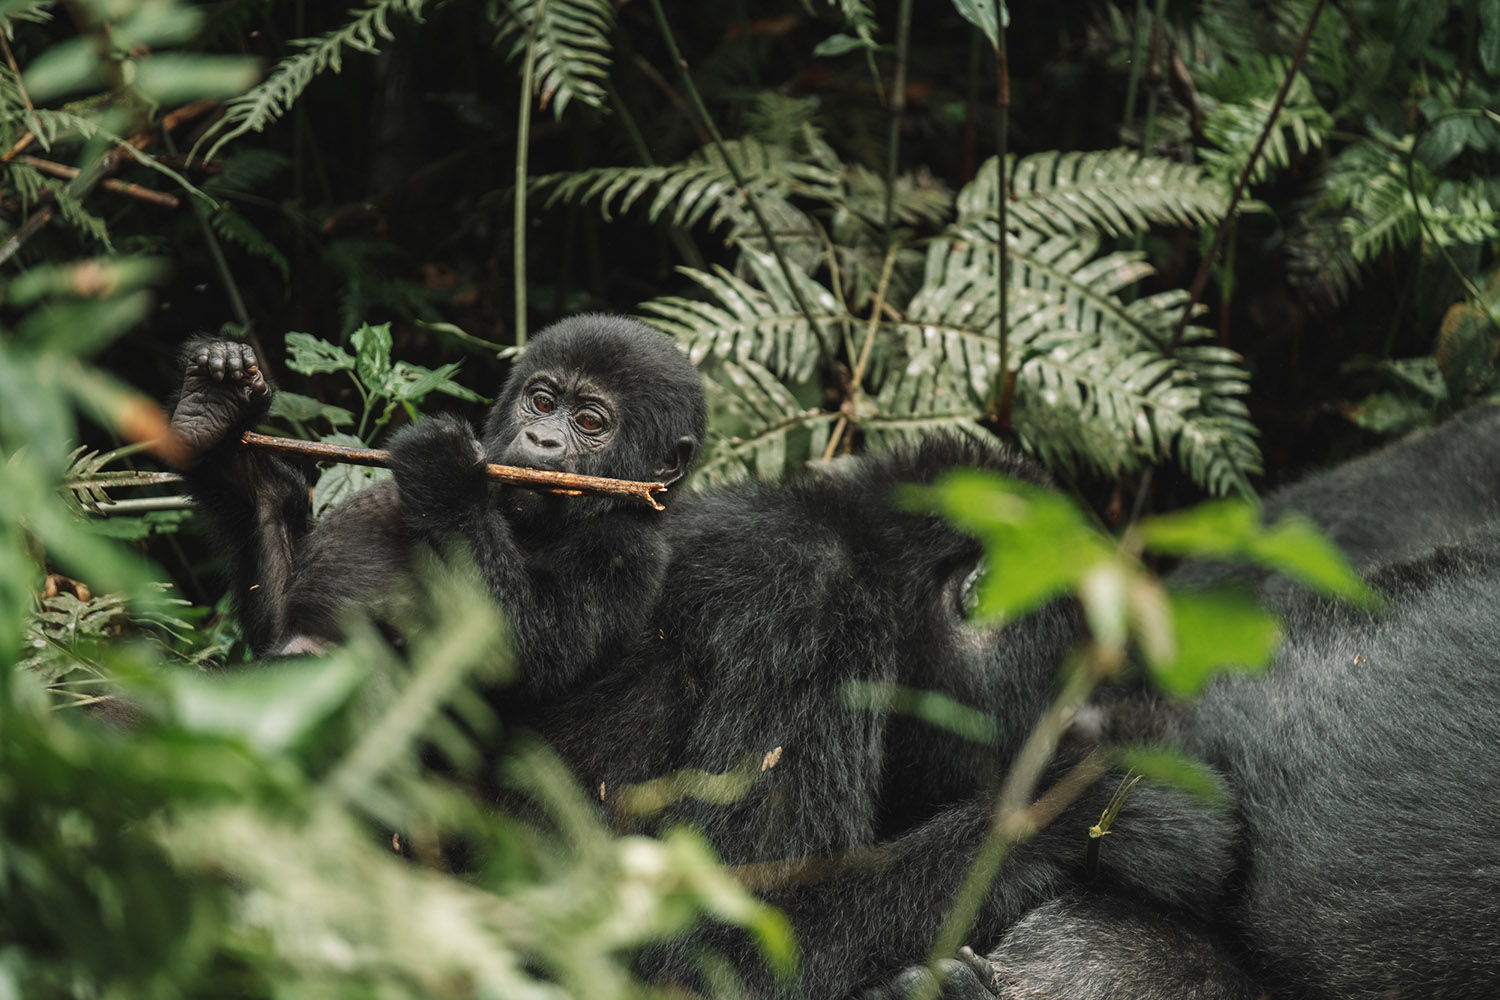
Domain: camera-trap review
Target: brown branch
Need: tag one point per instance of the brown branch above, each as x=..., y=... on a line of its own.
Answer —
x=565, y=483
x=119, y=187
x=10, y=61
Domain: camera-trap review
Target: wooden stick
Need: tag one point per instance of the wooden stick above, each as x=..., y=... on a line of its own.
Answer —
x=110, y=184
x=565, y=483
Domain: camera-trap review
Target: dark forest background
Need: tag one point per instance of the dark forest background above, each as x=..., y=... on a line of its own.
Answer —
x=804, y=194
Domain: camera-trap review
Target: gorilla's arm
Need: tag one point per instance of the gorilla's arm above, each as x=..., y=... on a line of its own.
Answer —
x=580, y=584
x=256, y=504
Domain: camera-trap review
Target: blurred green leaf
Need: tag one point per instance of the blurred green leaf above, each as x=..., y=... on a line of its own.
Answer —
x=64, y=68
x=837, y=45
x=84, y=327
x=273, y=708
x=1037, y=542
x=1173, y=768
x=1214, y=630
x=96, y=278
x=173, y=79
x=148, y=25
x=1488, y=44
x=933, y=707
x=1231, y=529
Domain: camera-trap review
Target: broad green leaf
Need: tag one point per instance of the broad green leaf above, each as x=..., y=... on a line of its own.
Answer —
x=372, y=357
x=982, y=14
x=1037, y=542
x=413, y=383
x=1231, y=529
x=273, y=708
x=173, y=79
x=304, y=409
x=310, y=356
x=1215, y=631
x=338, y=483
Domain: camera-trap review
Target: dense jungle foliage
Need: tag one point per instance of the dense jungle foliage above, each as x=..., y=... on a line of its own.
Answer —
x=1242, y=238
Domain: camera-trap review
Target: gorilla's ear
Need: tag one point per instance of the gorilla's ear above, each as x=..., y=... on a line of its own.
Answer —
x=677, y=462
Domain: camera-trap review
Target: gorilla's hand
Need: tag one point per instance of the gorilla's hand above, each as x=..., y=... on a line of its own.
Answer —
x=223, y=391
x=439, y=470
x=967, y=977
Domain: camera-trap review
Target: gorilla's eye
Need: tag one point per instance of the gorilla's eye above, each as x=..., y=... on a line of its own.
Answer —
x=543, y=401
x=968, y=590
x=588, y=421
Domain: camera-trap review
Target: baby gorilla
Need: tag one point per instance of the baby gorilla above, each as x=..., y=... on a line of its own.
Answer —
x=597, y=395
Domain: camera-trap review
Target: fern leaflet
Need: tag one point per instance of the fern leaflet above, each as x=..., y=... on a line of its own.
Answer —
x=572, y=47
x=258, y=107
x=1111, y=191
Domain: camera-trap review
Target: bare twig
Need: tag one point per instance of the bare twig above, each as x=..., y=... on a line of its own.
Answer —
x=1200, y=280
x=35, y=126
x=120, y=187
x=857, y=378
x=565, y=483
x=85, y=181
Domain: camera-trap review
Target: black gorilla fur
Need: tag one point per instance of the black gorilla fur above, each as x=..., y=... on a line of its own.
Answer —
x=1352, y=859
x=1356, y=856
x=597, y=395
x=776, y=598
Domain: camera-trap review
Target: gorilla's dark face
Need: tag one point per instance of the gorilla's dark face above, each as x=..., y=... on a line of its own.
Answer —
x=563, y=419
x=600, y=396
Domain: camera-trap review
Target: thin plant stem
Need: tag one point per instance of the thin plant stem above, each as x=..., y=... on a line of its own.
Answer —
x=686, y=248
x=523, y=148
x=1137, y=57
x=1016, y=818
x=1200, y=280
x=1148, y=130
x=739, y=179
x=1004, y=389
x=898, y=110
x=863, y=362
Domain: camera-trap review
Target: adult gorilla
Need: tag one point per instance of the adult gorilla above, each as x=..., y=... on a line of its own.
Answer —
x=1352, y=862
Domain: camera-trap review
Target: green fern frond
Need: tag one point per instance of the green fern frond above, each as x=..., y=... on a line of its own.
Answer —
x=263, y=104
x=1056, y=282
x=235, y=228
x=1367, y=208
x=1111, y=191
x=1245, y=92
x=763, y=416
x=250, y=169
x=916, y=198
x=758, y=323
x=62, y=124
x=1217, y=446
x=688, y=192
x=572, y=47
x=919, y=399
x=76, y=215
x=1094, y=385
